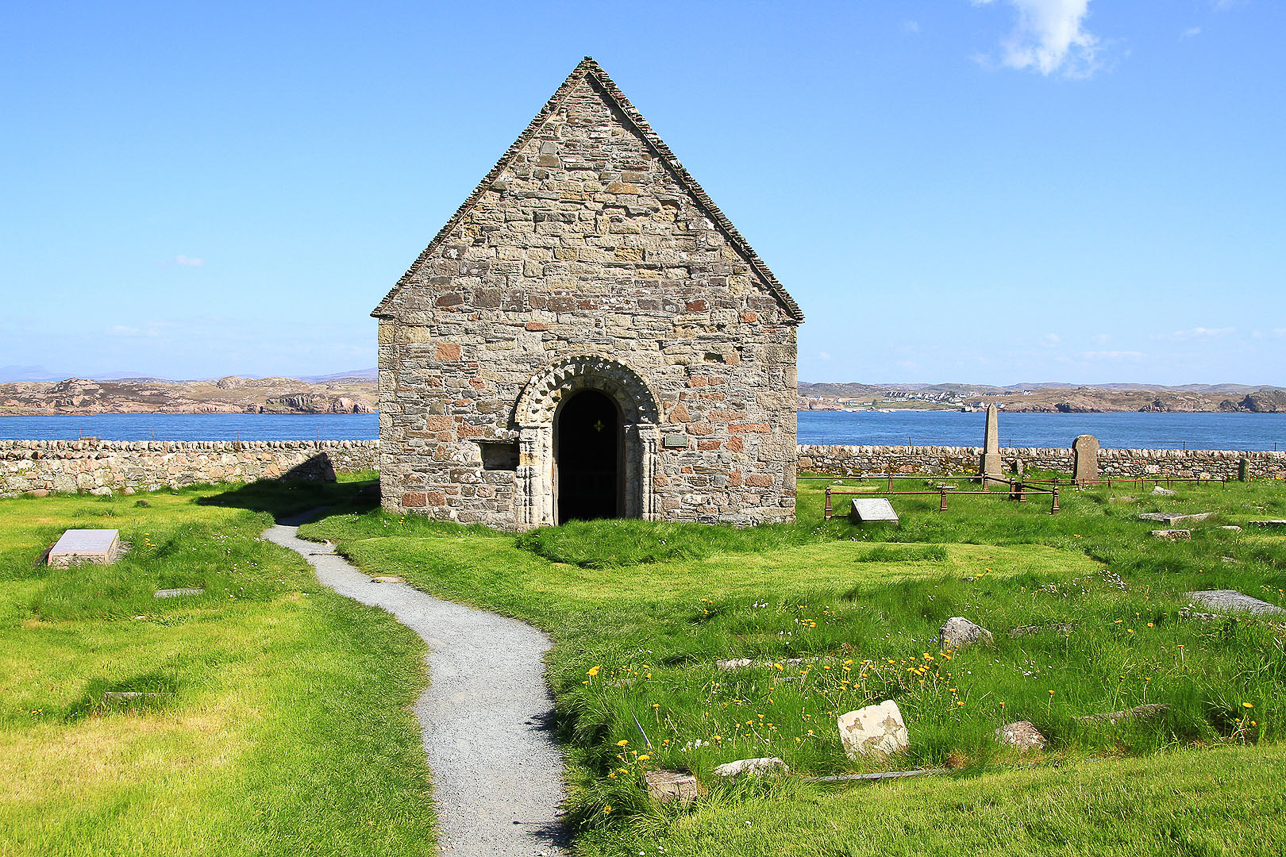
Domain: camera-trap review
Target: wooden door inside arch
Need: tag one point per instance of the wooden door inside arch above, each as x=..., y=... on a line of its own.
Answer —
x=587, y=457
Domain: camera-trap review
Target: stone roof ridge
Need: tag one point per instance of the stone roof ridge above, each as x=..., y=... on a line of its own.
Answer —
x=587, y=67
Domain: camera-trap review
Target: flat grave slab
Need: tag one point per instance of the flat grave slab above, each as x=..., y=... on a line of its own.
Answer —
x=179, y=593
x=1278, y=524
x=1231, y=599
x=1173, y=517
x=99, y=546
x=873, y=509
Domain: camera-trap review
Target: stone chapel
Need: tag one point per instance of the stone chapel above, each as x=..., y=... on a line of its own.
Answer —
x=588, y=337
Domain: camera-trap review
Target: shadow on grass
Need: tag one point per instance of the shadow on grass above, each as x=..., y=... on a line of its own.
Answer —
x=295, y=492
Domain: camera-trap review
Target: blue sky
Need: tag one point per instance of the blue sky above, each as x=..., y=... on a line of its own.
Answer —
x=985, y=192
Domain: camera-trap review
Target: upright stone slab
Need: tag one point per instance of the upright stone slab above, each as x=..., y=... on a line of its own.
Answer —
x=991, y=464
x=97, y=546
x=1085, y=459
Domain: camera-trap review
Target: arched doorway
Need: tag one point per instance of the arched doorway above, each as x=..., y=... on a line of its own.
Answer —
x=587, y=457
x=538, y=415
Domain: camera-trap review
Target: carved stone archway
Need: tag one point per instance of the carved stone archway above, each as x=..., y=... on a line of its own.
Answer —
x=534, y=416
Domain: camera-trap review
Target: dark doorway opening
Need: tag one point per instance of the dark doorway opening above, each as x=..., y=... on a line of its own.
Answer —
x=587, y=452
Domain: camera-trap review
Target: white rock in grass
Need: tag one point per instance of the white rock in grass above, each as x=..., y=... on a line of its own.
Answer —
x=1023, y=734
x=763, y=765
x=873, y=730
x=958, y=632
x=1163, y=492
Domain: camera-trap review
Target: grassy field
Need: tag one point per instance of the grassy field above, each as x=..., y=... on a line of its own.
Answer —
x=835, y=617
x=280, y=724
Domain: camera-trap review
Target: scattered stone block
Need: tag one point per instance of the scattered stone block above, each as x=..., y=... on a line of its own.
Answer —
x=1173, y=517
x=958, y=632
x=179, y=593
x=1139, y=712
x=1230, y=600
x=1123, y=499
x=1085, y=459
x=873, y=509
x=667, y=786
x=1022, y=734
x=1164, y=492
x=730, y=664
x=97, y=546
x=1269, y=524
x=763, y=765
x=1233, y=527
x=1172, y=535
x=873, y=730
x=142, y=504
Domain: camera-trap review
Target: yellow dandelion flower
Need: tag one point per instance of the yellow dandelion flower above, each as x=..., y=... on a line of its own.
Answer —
x=622, y=743
x=593, y=671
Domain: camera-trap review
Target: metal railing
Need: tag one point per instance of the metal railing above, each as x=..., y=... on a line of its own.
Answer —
x=1018, y=491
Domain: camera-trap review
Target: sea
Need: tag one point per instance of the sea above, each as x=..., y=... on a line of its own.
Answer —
x=1242, y=432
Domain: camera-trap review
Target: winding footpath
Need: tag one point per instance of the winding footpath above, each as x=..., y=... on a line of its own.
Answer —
x=486, y=715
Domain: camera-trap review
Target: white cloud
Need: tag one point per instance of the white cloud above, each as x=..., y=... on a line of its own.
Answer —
x=911, y=26
x=1195, y=333
x=1050, y=340
x=1190, y=32
x=1112, y=355
x=1101, y=338
x=822, y=355
x=1049, y=37
x=182, y=261
x=1279, y=332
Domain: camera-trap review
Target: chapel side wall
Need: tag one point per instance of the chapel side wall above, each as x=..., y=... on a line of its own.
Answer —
x=588, y=244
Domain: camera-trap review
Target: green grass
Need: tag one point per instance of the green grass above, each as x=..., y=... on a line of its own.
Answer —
x=641, y=611
x=282, y=726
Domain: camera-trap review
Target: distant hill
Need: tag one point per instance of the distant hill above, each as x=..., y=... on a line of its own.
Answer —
x=229, y=395
x=1046, y=397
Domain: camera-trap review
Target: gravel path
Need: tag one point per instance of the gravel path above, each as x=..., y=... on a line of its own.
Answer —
x=486, y=715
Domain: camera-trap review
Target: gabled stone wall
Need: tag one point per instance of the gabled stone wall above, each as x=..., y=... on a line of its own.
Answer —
x=588, y=247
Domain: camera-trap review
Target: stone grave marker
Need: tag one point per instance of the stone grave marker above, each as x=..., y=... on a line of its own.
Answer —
x=991, y=465
x=1085, y=459
x=873, y=509
x=179, y=593
x=1173, y=517
x=98, y=546
x=1232, y=600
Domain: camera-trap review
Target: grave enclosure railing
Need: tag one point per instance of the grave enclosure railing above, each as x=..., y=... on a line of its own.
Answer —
x=1018, y=490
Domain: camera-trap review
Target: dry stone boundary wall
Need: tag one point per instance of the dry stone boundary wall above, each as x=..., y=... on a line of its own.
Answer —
x=87, y=465
x=99, y=466
x=1206, y=463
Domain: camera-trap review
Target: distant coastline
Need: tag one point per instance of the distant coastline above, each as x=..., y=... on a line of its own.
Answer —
x=356, y=393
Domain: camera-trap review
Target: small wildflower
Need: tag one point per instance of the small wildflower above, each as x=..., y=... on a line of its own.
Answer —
x=623, y=742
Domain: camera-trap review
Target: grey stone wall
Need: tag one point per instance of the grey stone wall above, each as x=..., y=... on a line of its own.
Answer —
x=853, y=460
x=589, y=260
x=88, y=465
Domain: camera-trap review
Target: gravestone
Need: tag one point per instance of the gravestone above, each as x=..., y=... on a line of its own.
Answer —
x=98, y=546
x=1085, y=459
x=991, y=465
x=873, y=509
x=1174, y=517
x=179, y=593
x=1232, y=600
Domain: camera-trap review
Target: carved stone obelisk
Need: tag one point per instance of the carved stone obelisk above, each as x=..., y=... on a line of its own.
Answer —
x=991, y=464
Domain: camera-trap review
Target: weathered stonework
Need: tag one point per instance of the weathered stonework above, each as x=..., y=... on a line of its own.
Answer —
x=588, y=260
x=1112, y=463
x=58, y=466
